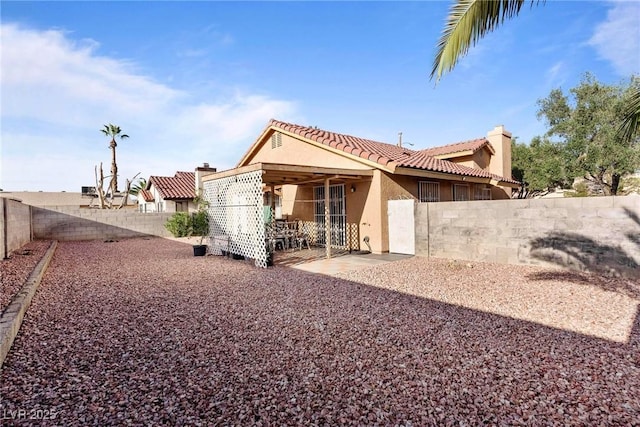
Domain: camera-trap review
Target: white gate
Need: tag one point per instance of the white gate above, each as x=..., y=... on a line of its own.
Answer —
x=402, y=233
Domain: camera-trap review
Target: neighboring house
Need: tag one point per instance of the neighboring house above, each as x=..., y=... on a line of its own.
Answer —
x=169, y=193
x=310, y=167
x=172, y=193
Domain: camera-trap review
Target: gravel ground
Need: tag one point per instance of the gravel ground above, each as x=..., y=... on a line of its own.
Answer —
x=15, y=270
x=140, y=332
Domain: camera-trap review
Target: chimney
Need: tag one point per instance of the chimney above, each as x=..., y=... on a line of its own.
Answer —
x=201, y=172
x=500, y=140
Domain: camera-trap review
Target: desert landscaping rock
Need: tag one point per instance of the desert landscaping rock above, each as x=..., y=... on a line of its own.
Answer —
x=15, y=270
x=141, y=332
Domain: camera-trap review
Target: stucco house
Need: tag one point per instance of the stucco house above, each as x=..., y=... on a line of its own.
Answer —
x=173, y=193
x=310, y=168
x=168, y=193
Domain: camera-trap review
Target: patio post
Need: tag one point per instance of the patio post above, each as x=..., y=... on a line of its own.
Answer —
x=273, y=202
x=327, y=219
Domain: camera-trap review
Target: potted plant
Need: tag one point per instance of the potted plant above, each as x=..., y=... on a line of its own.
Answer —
x=183, y=224
x=200, y=225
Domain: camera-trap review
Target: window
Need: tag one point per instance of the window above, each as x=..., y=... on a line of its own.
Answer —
x=429, y=191
x=460, y=192
x=276, y=140
x=481, y=192
x=182, y=206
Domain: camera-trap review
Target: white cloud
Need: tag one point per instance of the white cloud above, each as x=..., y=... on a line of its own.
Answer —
x=57, y=93
x=555, y=75
x=617, y=39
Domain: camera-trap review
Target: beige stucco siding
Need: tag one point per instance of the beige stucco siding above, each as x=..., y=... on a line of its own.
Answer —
x=481, y=158
x=300, y=153
x=468, y=161
x=297, y=202
x=371, y=219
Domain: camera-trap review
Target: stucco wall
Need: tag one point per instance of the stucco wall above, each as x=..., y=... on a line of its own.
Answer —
x=15, y=226
x=296, y=152
x=594, y=232
x=64, y=223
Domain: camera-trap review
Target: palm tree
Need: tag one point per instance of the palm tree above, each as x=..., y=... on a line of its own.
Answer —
x=631, y=123
x=470, y=20
x=113, y=131
x=138, y=186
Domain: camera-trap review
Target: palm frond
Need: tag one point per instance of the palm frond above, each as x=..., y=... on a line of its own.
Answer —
x=631, y=122
x=113, y=131
x=468, y=22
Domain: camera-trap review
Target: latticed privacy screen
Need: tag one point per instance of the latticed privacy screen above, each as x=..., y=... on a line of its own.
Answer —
x=236, y=216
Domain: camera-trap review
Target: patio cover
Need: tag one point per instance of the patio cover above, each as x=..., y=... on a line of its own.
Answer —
x=235, y=198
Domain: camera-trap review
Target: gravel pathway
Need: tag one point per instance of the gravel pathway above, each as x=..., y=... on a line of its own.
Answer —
x=140, y=332
x=15, y=270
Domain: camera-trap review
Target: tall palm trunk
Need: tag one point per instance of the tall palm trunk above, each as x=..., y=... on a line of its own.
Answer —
x=114, y=168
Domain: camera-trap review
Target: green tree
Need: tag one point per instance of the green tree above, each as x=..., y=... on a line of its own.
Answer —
x=113, y=131
x=470, y=20
x=587, y=124
x=539, y=166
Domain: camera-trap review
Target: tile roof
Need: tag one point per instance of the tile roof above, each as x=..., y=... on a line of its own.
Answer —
x=472, y=145
x=388, y=154
x=378, y=152
x=180, y=186
x=146, y=195
x=426, y=162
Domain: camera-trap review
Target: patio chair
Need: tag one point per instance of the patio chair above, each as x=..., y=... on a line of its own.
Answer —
x=300, y=240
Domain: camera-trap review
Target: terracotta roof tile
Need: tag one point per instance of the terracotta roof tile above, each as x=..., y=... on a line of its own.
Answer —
x=384, y=154
x=180, y=186
x=363, y=148
x=472, y=145
x=146, y=195
x=424, y=161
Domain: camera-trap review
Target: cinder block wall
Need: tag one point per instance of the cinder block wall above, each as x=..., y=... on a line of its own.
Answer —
x=66, y=223
x=15, y=226
x=581, y=233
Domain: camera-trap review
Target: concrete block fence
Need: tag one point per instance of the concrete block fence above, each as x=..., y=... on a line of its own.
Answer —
x=573, y=232
x=595, y=233
x=66, y=223
x=15, y=226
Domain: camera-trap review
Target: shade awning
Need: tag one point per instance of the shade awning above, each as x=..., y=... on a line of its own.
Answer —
x=283, y=174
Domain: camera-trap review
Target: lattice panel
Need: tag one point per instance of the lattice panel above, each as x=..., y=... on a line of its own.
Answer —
x=315, y=233
x=236, y=216
x=353, y=237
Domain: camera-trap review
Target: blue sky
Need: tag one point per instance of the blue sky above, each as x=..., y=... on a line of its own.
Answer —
x=194, y=82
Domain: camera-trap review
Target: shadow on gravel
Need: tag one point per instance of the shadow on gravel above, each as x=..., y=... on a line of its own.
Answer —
x=628, y=287
x=219, y=342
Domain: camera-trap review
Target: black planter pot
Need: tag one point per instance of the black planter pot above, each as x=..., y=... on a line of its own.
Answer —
x=199, y=250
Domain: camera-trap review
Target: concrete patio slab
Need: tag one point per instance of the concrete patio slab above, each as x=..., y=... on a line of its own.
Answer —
x=348, y=262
